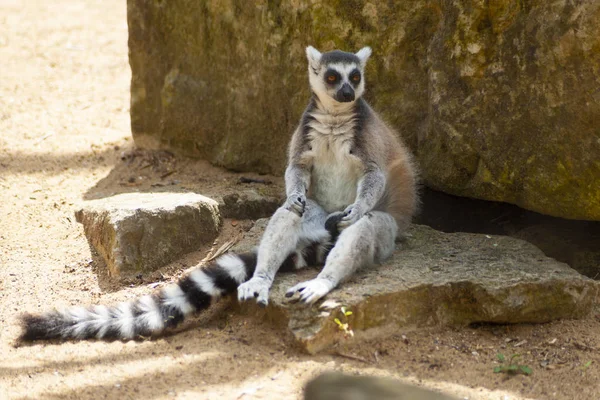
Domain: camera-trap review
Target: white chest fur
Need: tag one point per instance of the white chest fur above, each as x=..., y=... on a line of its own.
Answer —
x=335, y=172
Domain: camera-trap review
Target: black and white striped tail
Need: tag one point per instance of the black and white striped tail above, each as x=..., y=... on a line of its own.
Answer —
x=149, y=315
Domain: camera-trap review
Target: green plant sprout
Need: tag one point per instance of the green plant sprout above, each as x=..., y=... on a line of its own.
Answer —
x=511, y=368
x=344, y=326
x=586, y=365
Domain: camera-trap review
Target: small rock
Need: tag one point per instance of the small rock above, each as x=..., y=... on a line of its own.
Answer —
x=138, y=232
x=337, y=386
x=248, y=204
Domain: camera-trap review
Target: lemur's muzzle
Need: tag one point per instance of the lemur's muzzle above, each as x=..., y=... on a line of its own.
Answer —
x=345, y=94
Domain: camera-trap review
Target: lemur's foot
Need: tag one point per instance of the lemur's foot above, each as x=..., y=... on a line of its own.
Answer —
x=310, y=291
x=255, y=288
x=296, y=203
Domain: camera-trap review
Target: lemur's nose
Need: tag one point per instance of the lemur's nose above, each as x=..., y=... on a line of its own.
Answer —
x=346, y=93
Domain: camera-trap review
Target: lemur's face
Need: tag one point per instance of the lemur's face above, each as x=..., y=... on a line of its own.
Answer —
x=337, y=75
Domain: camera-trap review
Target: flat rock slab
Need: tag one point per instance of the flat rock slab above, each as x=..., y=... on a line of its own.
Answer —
x=137, y=232
x=436, y=279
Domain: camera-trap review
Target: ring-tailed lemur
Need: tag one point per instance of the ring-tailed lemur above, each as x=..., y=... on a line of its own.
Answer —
x=351, y=190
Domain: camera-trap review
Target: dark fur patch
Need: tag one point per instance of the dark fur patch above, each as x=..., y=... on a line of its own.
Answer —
x=42, y=327
x=338, y=56
x=332, y=74
x=221, y=278
x=331, y=224
x=249, y=260
x=139, y=329
x=362, y=115
x=289, y=264
x=89, y=331
x=198, y=298
x=311, y=254
x=355, y=77
x=172, y=316
x=306, y=119
x=113, y=331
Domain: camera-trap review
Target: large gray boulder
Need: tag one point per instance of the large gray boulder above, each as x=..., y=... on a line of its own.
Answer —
x=435, y=279
x=498, y=100
x=140, y=232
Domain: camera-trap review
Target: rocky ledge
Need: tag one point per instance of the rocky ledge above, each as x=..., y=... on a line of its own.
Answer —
x=434, y=278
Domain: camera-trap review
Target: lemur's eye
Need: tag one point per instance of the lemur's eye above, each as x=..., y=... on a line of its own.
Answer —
x=332, y=77
x=355, y=76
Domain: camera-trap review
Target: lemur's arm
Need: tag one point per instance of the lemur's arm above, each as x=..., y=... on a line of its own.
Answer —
x=297, y=180
x=297, y=174
x=370, y=190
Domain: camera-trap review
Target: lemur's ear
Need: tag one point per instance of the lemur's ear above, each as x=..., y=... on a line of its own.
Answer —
x=363, y=55
x=314, y=57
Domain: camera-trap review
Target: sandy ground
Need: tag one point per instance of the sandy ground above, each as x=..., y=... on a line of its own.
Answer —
x=65, y=137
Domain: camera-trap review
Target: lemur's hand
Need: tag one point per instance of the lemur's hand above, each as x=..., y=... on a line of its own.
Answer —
x=296, y=203
x=352, y=213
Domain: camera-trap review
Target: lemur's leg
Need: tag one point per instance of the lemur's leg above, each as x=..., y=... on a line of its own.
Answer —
x=369, y=240
x=288, y=231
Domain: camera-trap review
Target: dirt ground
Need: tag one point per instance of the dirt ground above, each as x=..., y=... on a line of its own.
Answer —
x=65, y=137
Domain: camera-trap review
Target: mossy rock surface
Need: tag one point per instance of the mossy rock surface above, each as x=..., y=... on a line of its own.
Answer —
x=434, y=279
x=498, y=100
